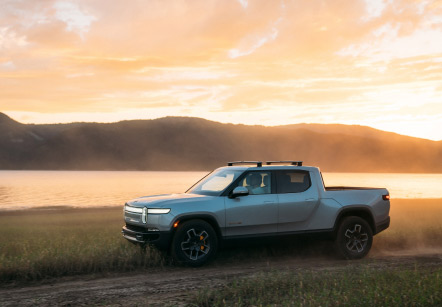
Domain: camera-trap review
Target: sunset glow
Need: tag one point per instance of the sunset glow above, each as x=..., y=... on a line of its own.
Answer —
x=376, y=63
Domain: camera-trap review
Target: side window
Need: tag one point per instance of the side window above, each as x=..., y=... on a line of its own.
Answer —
x=292, y=181
x=257, y=183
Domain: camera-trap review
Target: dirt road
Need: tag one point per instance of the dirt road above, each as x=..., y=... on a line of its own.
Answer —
x=176, y=285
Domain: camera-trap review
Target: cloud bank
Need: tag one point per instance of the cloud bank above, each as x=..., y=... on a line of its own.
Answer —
x=376, y=63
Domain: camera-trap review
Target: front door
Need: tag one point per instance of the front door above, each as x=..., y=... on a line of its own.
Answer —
x=256, y=213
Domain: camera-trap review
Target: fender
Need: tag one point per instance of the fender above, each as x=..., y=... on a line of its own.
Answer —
x=209, y=218
x=362, y=211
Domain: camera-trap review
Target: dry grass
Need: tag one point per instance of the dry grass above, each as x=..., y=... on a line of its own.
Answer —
x=38, y=244
x=416, y=226
x=44, y=243
x=356, y=287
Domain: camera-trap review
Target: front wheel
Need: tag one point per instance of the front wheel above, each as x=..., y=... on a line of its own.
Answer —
x=195, y=242
x=354, y=238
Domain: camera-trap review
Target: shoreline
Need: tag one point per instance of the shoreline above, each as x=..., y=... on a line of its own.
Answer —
x=201, y=170
x=61, y=209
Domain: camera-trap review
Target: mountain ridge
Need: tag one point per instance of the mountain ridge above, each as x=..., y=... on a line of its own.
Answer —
x=188, y=143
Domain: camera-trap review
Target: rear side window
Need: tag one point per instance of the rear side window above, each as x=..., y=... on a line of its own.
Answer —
x=292, y=181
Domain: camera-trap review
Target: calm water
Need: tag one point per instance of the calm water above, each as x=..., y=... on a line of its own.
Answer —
x=26, y=189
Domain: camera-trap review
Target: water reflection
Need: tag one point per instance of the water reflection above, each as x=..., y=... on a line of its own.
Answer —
x=399, y=185
x=5, y=194
x=85, y=189
x=25, y=189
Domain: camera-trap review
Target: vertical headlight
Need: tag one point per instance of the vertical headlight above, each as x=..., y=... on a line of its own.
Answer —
x=144, y=215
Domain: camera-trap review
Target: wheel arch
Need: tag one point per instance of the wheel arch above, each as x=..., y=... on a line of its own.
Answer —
x=359, y=211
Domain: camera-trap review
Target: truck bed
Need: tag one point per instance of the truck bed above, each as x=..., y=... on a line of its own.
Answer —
x=342, y=188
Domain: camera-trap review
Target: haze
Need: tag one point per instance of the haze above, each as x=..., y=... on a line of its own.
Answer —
x=375, y=63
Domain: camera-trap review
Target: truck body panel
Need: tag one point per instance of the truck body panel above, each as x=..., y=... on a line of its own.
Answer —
x=291, y=199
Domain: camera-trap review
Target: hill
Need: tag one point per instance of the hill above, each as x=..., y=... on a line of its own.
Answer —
x=184, y=143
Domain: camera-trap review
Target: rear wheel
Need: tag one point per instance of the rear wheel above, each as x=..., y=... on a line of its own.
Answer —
x=195, y=242
x=354, y=238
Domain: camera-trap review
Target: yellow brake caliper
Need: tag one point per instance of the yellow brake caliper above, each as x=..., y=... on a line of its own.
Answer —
x=202, y=246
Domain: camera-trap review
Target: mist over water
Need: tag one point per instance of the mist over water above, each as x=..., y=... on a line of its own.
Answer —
x=32, y=189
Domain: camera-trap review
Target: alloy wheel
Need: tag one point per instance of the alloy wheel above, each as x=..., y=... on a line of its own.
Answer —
x=356, y=238
x=197, y=244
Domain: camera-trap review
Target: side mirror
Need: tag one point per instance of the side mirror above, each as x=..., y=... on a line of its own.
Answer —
x=239, y=191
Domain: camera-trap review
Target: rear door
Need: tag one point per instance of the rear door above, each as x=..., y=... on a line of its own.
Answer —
x=256, y=213
x=297, y=199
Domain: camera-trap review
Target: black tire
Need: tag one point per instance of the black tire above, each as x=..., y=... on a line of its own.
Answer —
x=354, y=238
x=194, y=243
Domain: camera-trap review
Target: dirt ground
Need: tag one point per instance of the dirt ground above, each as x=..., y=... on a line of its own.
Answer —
x=176, y=285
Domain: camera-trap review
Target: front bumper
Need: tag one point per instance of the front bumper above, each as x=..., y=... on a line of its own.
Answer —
x=140, y=235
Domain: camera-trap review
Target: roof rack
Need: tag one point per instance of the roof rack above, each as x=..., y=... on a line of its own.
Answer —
x=258, y=163
x=297, y=163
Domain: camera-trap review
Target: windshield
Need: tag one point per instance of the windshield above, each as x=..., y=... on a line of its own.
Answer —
x=215, y=183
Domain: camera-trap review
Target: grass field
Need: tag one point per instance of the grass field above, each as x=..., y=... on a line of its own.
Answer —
x=39, y=244
x=416, y=225
x=52, y=243
x=356, y=287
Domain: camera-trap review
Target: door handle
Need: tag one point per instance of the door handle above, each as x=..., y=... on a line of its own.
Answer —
x=269, y=202
x=309, y=199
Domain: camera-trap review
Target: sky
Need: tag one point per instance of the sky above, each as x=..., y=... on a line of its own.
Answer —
x=367, y=62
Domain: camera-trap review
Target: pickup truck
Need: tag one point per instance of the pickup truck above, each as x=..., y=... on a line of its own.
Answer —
x=252, y=199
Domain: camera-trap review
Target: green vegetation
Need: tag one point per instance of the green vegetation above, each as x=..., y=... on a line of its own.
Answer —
x=356, y=287
x=53, y=243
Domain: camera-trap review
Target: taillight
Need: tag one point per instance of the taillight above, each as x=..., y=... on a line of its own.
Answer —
x=386, y=197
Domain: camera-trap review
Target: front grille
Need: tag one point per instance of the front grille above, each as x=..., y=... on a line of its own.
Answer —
x=139, y=234
x=136, y=228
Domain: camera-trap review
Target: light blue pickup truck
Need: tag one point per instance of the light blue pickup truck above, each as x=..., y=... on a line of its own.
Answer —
x=252, y=199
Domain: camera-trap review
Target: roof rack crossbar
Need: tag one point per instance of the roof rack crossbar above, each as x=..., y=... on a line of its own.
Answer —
x=296, y=163
x=258, y=163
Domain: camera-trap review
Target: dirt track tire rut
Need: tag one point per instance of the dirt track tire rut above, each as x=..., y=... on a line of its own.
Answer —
x=175, y=285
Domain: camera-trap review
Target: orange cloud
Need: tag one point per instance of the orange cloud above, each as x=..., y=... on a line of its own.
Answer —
x=268, y=62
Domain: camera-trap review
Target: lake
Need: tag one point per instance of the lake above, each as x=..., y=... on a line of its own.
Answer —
x=32, y=189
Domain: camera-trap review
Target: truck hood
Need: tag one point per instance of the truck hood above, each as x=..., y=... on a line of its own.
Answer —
x=166, y=200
